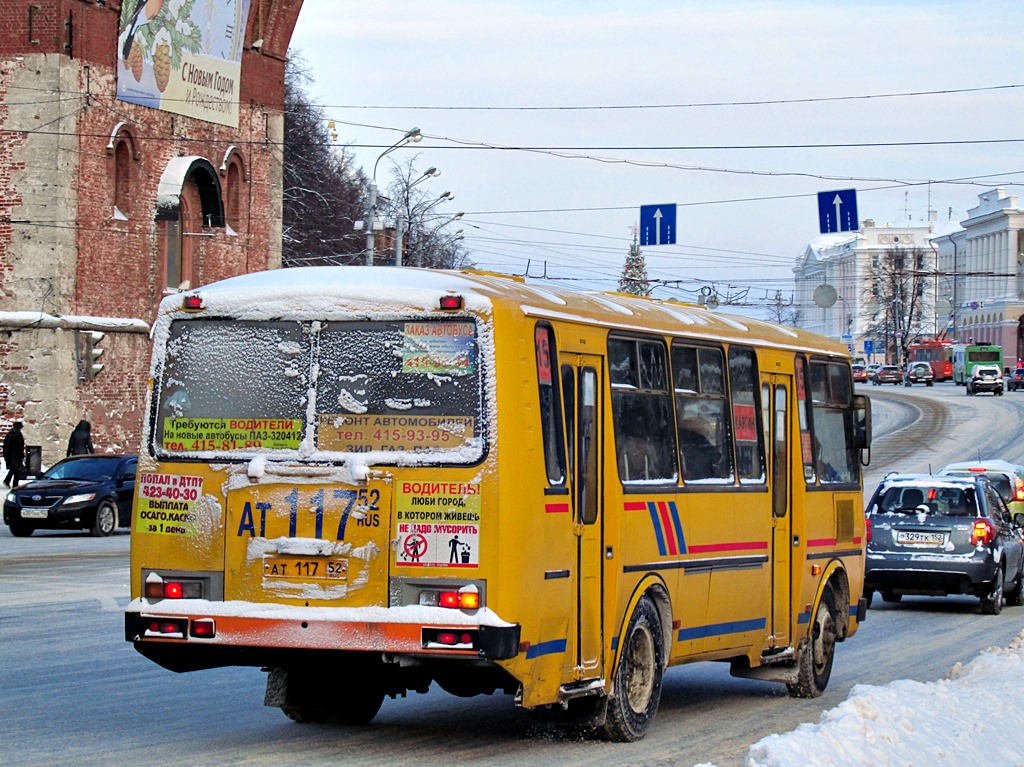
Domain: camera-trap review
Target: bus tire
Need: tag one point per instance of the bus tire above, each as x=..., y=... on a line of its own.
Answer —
x=636, y=689
x=105, y=521
x=814, y=664
x=307, y=700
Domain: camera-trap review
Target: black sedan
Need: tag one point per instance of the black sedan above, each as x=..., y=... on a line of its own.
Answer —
x=91, y=492
x=1016, y=380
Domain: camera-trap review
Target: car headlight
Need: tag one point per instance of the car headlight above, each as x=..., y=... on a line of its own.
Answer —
x=12, y=498
x=82, y=498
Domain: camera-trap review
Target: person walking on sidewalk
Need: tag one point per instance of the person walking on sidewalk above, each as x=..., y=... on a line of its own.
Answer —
x=14, y=455
x=80, y=442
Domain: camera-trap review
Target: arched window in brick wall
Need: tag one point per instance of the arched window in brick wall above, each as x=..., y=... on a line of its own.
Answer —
x=236, y=196
x=122, y=147
x=188, y=201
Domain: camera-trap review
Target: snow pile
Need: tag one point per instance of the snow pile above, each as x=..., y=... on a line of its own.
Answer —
x=973, y=716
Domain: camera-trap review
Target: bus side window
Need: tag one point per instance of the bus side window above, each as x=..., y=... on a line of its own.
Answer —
x=641, y=410
x=569, y=397
x=550, y=406
x=745, y=415
x=832, y=423
x=702, y=414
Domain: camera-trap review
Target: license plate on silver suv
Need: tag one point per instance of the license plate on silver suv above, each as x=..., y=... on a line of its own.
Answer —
x=916, y=538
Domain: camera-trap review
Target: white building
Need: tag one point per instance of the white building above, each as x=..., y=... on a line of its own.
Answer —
x=981, y=268
x=844, y=261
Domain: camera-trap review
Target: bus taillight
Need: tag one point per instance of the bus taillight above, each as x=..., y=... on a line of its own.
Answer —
x=459, y=600
x=1019, y=492
x=204, y=628
x=451, y=303
x=984, y=533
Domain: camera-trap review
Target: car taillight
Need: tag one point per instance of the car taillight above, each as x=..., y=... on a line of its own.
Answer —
x=867, y=529
x=984, y=532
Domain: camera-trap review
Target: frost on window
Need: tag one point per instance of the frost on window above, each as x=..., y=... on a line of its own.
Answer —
x=232, y=386
x=398, y=386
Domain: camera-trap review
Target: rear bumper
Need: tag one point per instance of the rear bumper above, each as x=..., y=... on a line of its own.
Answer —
x=910, y=574
x=259, y=635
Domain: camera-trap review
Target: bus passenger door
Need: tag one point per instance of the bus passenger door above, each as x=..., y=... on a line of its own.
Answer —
x=775, y=405
x=582, y=390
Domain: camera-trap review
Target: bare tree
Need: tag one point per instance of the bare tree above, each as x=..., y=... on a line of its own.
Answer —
x=784, y=312
x=897, y=298
x=415, y=212
x=324, y=191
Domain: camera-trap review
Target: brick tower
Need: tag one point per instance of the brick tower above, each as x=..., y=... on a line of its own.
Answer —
x=140, y=151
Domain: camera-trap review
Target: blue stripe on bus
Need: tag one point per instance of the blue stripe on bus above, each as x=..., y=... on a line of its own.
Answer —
x=652, y=507
x=678, y=525
x=803, y=618
x=615, y=643
x=720, y=629
x=546, y=648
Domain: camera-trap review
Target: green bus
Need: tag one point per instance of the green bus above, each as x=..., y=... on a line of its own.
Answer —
x=967, y=356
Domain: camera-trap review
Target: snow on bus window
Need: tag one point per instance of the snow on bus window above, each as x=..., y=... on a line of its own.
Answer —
x=398, y=386
x=228, y=385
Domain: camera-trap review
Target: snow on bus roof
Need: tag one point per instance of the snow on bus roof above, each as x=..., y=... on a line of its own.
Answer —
x=332, y=291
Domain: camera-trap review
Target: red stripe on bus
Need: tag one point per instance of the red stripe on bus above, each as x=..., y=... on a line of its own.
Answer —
x=822, y=542
x=747, y=546
x=556, y=508
x=666, y=525
x=635, y=506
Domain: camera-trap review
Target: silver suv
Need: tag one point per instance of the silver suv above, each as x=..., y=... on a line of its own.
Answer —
x=934, y=536
x=985, y=378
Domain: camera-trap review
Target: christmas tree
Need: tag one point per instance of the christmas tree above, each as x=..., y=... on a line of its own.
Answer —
x=634, y=272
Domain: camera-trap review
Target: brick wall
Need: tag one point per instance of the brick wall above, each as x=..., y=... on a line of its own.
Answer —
x=63, y=251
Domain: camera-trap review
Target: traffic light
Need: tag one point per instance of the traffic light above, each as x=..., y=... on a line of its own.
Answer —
x=93, y=350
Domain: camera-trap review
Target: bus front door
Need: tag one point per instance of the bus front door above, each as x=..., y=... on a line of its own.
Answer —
x=582, y=391
x=775, y=401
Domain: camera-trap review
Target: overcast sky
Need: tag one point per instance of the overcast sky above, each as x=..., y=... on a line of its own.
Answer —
x=514, y=74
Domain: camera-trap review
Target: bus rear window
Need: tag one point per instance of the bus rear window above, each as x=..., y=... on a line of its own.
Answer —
x=315, y=389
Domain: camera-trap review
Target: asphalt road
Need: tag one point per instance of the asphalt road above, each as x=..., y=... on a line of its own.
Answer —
x=75, y=693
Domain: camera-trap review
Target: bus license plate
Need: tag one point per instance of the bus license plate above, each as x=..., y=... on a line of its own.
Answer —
x=303, y=568
x=920, y=539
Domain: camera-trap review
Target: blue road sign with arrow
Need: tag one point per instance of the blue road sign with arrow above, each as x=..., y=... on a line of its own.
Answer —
x=837, y=211
x=658, y=224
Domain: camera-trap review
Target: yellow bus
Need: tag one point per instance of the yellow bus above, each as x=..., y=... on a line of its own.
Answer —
x=367, y=480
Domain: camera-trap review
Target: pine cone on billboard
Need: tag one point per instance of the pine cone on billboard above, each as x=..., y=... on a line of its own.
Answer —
x=162, y=65
x=134, y=60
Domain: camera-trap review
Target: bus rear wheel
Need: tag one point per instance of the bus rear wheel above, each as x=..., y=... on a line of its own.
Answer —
x=305, y=697
x=636, y=690
x=814, y=664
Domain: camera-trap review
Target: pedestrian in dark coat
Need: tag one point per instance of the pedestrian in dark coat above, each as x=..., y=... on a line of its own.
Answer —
x=80, y=442
x=14, y=455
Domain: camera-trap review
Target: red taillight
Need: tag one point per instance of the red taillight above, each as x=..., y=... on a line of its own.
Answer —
x=459, y=600
x=447, y=637
x=173, y=590
x=192, y=303
x=204, y=627
x=867, y=529
x=983, y=533
x=1019, y=492
x=158, y=626
x=451, y=303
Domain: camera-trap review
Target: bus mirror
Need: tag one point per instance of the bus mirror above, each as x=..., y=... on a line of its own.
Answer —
x=861, y=422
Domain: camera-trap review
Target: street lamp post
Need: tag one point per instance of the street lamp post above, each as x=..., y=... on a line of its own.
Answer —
x=410, y=137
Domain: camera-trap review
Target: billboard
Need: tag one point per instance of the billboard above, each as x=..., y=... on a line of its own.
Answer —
x=182, y=56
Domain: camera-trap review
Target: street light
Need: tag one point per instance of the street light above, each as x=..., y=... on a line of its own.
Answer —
x=410, y=137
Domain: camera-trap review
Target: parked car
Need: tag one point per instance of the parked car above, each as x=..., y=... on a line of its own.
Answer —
x=1007, y=478
x=860, y=374
x=918, y=372
x=939, y=535
x=887, y=374
x=985, y=378
x=1015, y=380
x=91, y=492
